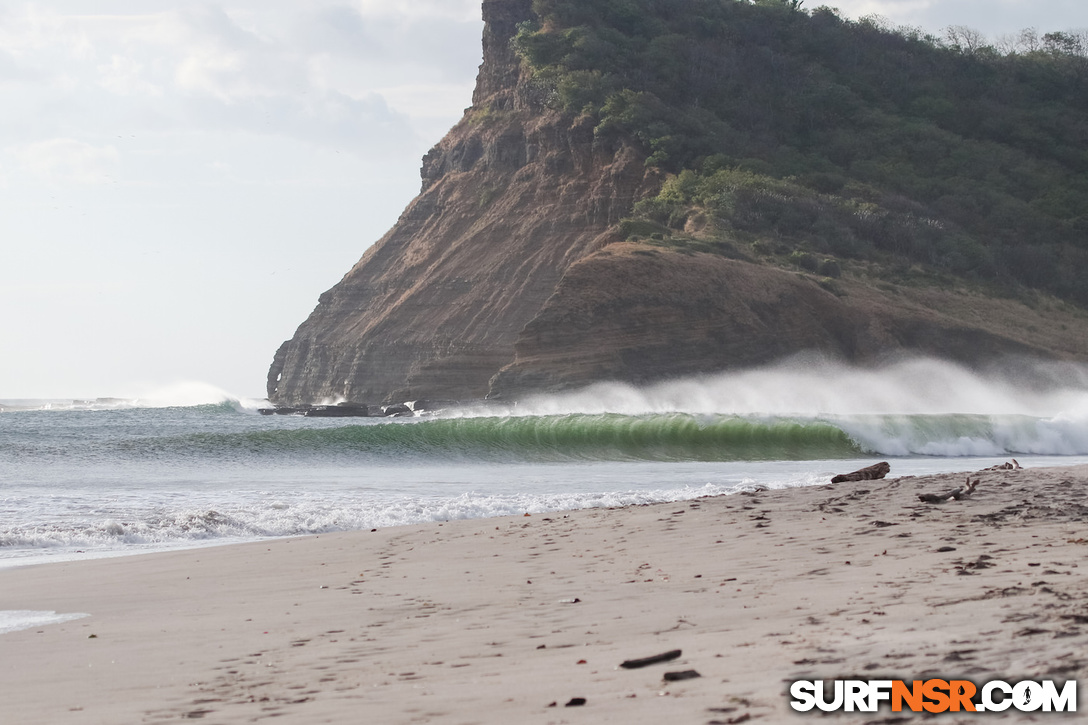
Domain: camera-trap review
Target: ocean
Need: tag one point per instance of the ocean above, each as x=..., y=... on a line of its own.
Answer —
x=107, y=477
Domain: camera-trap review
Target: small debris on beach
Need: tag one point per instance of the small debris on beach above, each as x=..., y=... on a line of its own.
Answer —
x=643, y=662
x=957, y=493
x=678, y=676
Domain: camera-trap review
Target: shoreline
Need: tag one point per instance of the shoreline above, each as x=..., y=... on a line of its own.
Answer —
x=493, y=620
x=628, y=483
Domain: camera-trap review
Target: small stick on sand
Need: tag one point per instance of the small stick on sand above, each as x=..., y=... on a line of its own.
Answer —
x=956, y=493
x=635, y=664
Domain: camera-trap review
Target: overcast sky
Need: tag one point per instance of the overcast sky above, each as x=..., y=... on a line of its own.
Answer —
x=179, y=181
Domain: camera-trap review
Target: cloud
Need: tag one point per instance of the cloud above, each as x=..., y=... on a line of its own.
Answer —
x=442, y=47
x=217, y=56
x=333, y=120
x=9, y=68
x=68, y=160
x=313, y=72
x=458, y=10
x=992, y=17
x=125, y=76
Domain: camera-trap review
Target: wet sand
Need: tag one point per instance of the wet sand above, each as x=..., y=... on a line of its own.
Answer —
x=509, y=620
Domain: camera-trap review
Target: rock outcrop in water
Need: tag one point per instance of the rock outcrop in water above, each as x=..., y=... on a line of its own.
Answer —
x=507, y=275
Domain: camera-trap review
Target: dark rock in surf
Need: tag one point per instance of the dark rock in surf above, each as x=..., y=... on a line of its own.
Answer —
x=397, y=410
x=337, y=411
x=285, y=410
x=420, y=406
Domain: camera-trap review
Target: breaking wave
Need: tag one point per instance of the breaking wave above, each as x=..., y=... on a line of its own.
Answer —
x=670, y=437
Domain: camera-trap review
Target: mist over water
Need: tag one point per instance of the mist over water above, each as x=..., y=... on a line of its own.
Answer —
x=182, y=394
x=808, y=386
x=815, y=387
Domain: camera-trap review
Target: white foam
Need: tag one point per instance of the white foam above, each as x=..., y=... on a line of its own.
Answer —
x=817, y=387
x=1000, y=435
x=15, y=620
x=185, y=394
x=465, y=493
x=182, y=394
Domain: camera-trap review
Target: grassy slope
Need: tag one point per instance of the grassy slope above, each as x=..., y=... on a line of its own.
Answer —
x=803, y=140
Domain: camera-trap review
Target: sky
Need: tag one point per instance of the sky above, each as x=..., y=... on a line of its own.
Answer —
x=179, y=181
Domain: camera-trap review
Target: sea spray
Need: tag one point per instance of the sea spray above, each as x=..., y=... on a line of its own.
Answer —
x=817, y=387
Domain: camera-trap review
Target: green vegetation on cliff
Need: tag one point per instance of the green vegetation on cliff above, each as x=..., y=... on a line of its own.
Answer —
x=808, y=138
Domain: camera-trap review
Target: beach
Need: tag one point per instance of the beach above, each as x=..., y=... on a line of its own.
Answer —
x=518, y=619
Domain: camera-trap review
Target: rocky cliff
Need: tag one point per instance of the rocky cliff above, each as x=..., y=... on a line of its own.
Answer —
x=511, y=198
x=506, y=275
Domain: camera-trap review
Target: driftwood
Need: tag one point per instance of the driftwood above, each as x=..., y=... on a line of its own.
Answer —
x=870, y=473
x=956, y=493
x=635, y=664
x=1014, y=466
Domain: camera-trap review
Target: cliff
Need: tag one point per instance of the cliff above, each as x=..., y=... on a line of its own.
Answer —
x=511, y=198
x=638, y=313
x=508, y=274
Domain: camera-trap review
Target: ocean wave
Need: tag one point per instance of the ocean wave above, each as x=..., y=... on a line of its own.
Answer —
x=671, y=437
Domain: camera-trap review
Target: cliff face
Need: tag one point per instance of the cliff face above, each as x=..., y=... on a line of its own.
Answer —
x=511, y=198
x=638, y=313
x=503, y=277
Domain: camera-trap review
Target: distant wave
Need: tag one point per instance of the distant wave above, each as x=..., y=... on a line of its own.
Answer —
x=177, y=395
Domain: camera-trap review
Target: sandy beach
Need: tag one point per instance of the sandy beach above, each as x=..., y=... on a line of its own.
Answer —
x=510, y=620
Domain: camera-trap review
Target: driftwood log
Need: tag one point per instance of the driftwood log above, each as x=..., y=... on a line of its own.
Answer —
x=956, y=493
x=869, y=473
x=653, y=660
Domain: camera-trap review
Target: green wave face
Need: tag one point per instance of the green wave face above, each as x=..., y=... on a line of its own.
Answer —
x=153, y=435
x=675, y=437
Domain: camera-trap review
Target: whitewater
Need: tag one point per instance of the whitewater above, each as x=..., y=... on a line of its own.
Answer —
x=194, y=466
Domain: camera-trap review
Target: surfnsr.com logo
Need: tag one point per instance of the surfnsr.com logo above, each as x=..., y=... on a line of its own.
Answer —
x=933, y=696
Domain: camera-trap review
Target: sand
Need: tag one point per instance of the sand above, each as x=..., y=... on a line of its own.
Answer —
x=508, y=620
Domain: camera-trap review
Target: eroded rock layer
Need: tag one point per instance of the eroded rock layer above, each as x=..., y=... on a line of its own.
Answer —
x=638, y=313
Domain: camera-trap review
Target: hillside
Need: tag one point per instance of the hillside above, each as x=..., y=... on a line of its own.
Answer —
x=815, y=134
x=656, y=188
